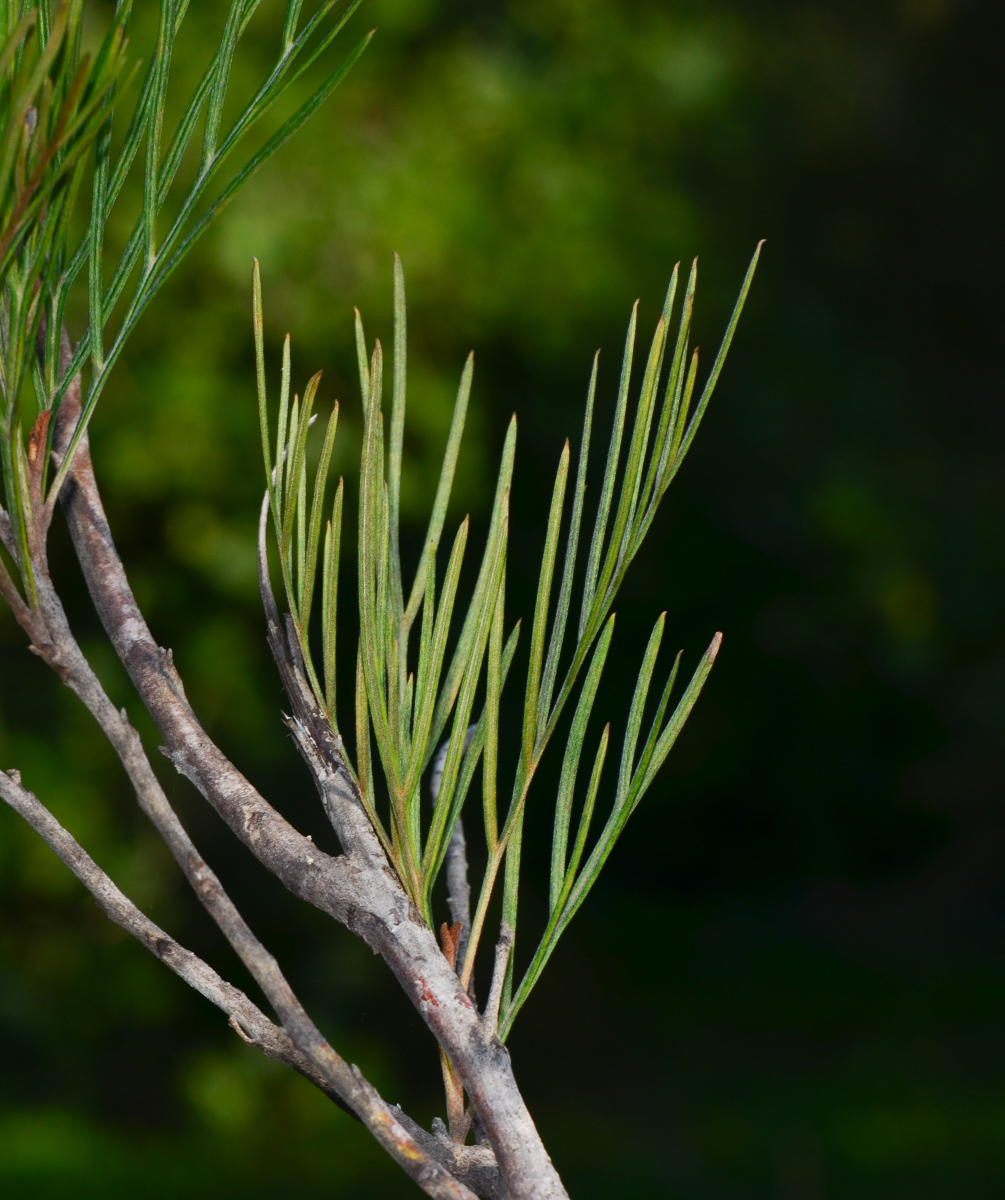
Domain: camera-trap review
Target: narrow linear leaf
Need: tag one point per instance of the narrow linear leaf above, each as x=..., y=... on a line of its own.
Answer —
x=444, y=486
x=570, y=763
x=539, y=628
x=561, y=617
x=610, y=471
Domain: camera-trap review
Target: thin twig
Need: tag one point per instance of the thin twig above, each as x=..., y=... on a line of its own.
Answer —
x=456, y=861
x=503, y=949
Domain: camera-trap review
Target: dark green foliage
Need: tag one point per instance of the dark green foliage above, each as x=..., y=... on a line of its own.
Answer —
x=404, y=699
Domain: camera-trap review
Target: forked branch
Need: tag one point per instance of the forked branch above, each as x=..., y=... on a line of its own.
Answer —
x=317, y=1061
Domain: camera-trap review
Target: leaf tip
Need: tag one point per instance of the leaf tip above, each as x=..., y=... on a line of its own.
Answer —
x=714, y=646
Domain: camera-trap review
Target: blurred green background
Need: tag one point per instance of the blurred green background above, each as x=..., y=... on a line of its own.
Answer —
x=791, y=982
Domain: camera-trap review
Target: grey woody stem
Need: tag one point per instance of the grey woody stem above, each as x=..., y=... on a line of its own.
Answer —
x=504, y=948
x=357, y=888
x=456, y=861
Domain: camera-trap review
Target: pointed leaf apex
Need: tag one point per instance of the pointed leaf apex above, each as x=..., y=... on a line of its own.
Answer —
x=714, y=646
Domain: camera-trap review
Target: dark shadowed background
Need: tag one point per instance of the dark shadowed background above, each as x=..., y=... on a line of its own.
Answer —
x=790, y=982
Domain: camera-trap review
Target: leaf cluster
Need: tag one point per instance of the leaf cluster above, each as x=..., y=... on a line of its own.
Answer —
x=53, y=102
x=427, y=667
x=77, y=109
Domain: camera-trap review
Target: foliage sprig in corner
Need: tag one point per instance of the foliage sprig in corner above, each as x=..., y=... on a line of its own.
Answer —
x=59, y=110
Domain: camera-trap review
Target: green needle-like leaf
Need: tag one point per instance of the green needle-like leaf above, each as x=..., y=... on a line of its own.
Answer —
x=434, y=646
x=610, y=470
x=539, y=628
x=329, y=603
x=397, y=435
x=443, y=487
x=314, y=534
x=638, y=705
x=720, y=358
x=570, y=764
x=558, y=627
x=462, y=653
